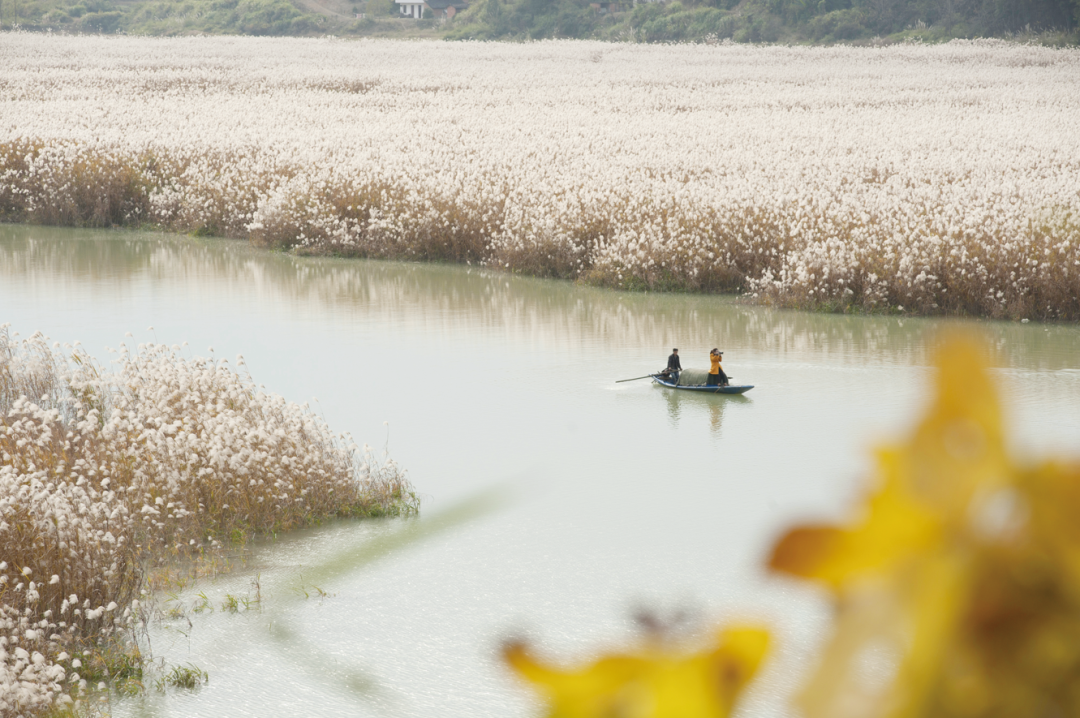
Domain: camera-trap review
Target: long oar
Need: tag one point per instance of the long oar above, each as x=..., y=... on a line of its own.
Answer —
x=647, y=376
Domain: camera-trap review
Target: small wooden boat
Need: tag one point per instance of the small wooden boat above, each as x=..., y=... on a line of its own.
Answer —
x=730, y=389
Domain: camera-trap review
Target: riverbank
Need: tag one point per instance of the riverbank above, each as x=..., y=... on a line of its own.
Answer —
x=907, y=179
x=106, y=476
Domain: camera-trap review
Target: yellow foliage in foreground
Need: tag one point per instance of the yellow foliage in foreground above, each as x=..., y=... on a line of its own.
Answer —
x=960, y=581
x=653, y=682
x=956, y=588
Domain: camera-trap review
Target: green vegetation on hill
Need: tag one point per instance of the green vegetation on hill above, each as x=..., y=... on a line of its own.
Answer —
x=248, y=17
x=214, y=17
x=789, y=21
x=801, y=21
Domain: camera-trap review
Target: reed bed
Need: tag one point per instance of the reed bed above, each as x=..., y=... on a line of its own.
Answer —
x=915, y=179
x=106, y=474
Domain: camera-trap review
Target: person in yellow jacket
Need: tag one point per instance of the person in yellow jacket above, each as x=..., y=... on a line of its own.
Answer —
x=717, y=377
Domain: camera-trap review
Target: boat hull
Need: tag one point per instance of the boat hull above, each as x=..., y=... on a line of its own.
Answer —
x=731, y=389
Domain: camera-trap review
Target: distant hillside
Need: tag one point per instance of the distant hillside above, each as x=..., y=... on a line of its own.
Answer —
x=798, y=21
x=788, y=21
x=216, y=17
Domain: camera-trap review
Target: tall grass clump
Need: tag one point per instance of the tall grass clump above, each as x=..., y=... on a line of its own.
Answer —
x=937, y=180
x=106, y=474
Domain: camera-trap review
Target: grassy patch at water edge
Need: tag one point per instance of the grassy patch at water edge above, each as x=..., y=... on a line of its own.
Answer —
x=105, y=475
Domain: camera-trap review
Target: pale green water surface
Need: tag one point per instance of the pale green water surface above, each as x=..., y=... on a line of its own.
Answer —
x=617, y=495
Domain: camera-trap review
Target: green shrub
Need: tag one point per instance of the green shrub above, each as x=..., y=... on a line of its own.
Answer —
x=102, y=21
x=837, y=25
x=57, y=16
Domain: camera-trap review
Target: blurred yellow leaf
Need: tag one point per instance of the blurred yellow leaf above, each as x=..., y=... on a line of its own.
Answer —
x=654, y=682
x=958, y=588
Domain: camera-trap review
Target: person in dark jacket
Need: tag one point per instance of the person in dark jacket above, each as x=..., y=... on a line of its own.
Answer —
x=674, y=366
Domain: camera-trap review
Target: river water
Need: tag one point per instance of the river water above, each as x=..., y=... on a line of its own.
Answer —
x=556, y=502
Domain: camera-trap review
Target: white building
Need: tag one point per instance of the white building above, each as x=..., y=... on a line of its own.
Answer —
x=411, y=8
x=441, y=10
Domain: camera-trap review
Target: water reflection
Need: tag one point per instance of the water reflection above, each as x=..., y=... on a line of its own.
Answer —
x=523, y=310
x=696, y=407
